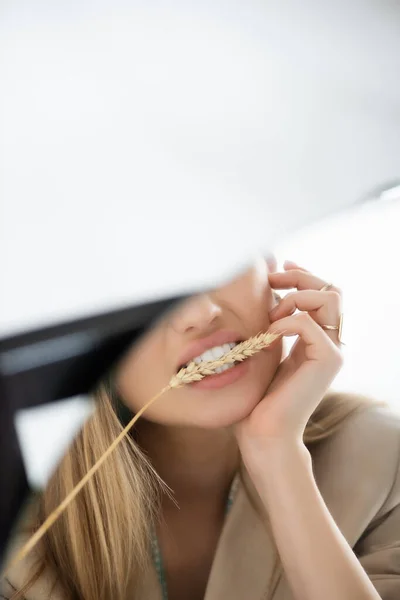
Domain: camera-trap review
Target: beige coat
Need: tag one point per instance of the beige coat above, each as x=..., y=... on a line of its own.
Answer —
x=357, y=471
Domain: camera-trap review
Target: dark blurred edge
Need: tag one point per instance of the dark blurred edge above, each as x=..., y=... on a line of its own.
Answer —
x=55, y=363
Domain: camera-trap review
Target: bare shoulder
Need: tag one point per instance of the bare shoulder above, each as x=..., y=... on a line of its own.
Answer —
x=362, y=458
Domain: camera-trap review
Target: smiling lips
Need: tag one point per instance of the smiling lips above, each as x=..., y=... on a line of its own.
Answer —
x=210, y=348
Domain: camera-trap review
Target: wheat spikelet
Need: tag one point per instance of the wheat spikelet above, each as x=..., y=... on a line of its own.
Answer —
x=195, y=372
x=190, y=374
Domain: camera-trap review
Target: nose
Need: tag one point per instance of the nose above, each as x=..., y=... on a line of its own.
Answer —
x=196, y=315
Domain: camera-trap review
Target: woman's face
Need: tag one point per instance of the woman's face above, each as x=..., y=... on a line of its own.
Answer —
x=203, y=324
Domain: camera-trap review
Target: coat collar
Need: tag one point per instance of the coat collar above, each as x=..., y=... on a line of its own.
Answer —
x=245, y=558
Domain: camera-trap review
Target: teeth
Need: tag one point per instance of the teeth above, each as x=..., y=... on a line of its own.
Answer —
x=223, y=368
x=214, y=354
x=218, y=352
x=207, y=355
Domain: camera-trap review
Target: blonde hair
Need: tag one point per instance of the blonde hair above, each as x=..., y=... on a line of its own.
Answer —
x=100, y=545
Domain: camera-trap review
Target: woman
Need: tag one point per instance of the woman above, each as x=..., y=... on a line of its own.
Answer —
x=276, y=488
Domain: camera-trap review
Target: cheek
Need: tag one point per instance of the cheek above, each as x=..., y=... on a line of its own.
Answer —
x=254, y=298
x=255, y=310
x=140, y=376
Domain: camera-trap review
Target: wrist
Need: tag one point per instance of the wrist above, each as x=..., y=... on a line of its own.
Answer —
x=276, y=461
x=277, y=452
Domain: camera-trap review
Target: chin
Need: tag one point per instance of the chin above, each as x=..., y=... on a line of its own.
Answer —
x=219, y=408
x=225, y=412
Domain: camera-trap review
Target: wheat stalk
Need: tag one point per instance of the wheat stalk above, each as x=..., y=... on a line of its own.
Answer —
x=190, y=374
x=195, y=372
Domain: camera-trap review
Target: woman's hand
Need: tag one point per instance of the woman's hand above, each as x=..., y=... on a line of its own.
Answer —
x=317, y=560
x=305, y=375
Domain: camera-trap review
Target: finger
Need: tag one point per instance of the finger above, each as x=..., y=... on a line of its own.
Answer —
x=324, y=308
x=290, y=264
x=323, y=305
x=317, y=345
x=321, y=361
x=308, y=300
x=296, y=278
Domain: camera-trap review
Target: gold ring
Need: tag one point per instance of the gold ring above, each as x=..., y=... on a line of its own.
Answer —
x=326, y=287
x=337, y=328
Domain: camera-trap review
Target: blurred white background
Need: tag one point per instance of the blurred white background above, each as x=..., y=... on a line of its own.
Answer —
x=138, y=139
